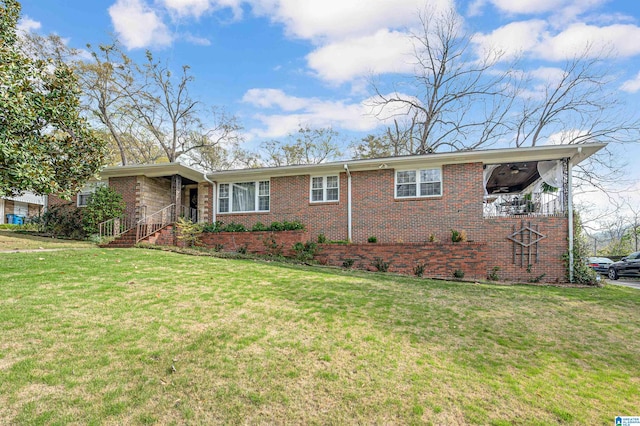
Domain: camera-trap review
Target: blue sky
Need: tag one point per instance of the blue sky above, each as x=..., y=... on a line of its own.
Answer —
x=277, y=64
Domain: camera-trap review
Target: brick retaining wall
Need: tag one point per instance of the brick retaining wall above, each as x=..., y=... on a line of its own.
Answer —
x=440, y=259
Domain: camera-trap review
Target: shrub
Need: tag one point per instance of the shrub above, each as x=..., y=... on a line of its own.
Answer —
x=213, y=227
x=64, y=220
x=292, y=226
x=322, y=239
x=372, y=239
x=271, y=246
x=380, y=265
x=582, y=273
x=258, y=226
x=242, y=249
x=188, y=232
x=458, y=273
x=418, y=270
x=305, y=252
x=348, y=263
x=276, y=226
x=234, y=227
x=458, y=236
x=493, y=276
x=104, y=204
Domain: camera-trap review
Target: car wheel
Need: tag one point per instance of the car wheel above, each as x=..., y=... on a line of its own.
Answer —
x=613, y=274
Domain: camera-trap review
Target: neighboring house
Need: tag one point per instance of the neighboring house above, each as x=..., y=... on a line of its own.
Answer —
x=24, y=206
x=514, y=205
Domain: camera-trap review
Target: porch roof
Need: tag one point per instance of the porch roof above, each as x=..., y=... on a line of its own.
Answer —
x=576, y=153
x=153, y=170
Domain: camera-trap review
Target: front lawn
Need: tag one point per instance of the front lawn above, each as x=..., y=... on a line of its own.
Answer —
x=132, y=336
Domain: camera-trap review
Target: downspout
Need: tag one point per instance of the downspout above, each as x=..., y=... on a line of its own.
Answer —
x=570, y=207
x=213, y=194
x=349, y=223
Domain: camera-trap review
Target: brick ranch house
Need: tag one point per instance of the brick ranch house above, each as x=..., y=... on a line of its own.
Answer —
x=514, y=205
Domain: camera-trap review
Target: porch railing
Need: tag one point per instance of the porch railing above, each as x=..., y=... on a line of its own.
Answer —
x=189, y=213
x=115, y=227
x=155, y=222
x=536, y=204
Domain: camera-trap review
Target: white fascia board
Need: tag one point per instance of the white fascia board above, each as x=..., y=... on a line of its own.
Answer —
x=153, y=170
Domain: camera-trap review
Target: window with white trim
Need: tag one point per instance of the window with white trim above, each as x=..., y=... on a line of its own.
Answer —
x=242, y=197
x=85, y=194
x=418, y=183
x=324, y=189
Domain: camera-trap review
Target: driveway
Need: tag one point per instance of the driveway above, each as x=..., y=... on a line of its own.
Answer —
x=626, y=283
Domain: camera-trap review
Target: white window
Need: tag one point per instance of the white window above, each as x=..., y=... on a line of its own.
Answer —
x=87, y=191
x=324, y=188
x=243, y=197
x=418, y=183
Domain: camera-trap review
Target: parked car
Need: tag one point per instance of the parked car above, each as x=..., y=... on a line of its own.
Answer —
x=627, y=267
x=599, y=264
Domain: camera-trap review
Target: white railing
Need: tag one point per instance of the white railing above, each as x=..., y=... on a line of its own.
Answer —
x=155, y=222
x=115, y=227
x=536, y=204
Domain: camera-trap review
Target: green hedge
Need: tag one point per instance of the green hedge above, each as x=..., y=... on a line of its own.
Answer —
x=219, y=226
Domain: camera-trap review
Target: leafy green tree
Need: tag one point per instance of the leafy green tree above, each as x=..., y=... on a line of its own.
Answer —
x=45, y=146
x=104, y=204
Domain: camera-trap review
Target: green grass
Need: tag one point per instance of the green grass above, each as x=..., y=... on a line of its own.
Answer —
x=96, y=336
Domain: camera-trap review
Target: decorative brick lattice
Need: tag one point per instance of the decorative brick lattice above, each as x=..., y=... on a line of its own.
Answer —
x=525, y=243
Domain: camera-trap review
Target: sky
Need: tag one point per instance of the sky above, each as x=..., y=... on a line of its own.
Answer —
x=279, y=64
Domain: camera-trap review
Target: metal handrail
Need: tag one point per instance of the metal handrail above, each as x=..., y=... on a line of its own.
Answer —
x=155, y=222
x=116, y=226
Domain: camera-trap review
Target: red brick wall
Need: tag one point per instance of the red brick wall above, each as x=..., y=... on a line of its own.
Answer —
x=377, y=213
x=232, y=241
x=53, y=200
x=290, y=201
x=440, y=260
x=126, y=186
x=550, y=249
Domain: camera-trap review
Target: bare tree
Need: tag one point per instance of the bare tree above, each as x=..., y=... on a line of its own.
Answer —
x=454, y=100
x=108, y=81
x=307, y=146
x=576, y=104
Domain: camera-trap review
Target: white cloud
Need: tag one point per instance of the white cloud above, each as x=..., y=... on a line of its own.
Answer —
x=197, y=8
x=138, y=25
x=27, y=25
x=383, y=52
x=274, y=98
x=188, y=7
x=534, y=39
x=331, y=20
x=306, y=111
x=631, y=86
x=578, y=36
x=529, y=6
x=512, y=39
x=201, y=41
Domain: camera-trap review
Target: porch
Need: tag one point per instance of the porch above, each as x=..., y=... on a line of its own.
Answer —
x=534, y=188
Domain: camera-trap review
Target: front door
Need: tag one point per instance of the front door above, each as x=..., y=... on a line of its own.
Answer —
x=193, y=204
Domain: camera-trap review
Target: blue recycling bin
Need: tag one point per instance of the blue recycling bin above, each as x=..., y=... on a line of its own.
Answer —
x=14, y=219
